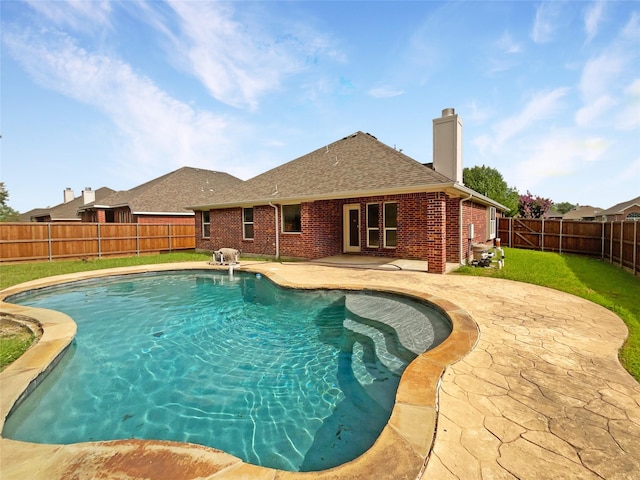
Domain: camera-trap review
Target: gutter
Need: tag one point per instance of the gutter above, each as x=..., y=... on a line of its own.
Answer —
x=275, y=211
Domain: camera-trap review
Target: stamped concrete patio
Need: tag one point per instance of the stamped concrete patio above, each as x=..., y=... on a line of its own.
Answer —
x=541, y=394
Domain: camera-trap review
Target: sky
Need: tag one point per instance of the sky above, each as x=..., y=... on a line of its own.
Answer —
x=117, y=93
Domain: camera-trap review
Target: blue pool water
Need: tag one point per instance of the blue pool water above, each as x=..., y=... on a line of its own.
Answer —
x=270, y=375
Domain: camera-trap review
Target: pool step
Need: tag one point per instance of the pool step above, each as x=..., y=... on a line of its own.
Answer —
x=391, y=361
x=412, y=324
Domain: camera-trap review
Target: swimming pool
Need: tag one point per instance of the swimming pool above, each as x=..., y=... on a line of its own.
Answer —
x=318, y=403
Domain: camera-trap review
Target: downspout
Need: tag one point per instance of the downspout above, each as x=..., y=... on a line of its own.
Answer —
x=275, y=211
x=460, y=226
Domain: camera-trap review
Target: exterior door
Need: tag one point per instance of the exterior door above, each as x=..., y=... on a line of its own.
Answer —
x=351, y=228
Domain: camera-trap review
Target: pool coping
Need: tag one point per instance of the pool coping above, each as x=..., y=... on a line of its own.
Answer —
x=400, y=452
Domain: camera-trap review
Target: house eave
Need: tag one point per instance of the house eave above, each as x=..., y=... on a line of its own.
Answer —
x=166, y=214
x=452, y=188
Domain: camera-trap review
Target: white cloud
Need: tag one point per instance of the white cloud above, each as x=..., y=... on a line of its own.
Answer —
x=595, y=109
x=629, y=116
x=239, y=60
x=477, y=114
x=80, y=15
x=544, y=25
x=631, y=31
x=542, y=106
x=159, y=132
x=592, y=18
x=385, y=92
x=555, y=155
x=599, y=73
x=508, y=45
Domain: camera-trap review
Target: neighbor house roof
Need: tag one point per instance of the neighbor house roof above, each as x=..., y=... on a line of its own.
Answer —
x=170, y=193
x=621, y=207
x=582, y=212
x=356, y=165
x=69, y=211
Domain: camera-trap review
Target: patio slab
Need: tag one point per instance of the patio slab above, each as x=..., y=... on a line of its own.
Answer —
x=538, y=394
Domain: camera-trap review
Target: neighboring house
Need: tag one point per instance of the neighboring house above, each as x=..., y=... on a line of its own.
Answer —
x=553, y=215
x=67, y=211
x=356, y=195
x=629, y=210
x=161, y=200
x=583, y=213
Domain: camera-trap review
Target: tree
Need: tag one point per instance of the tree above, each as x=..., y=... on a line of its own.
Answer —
x=563, y=207
x=7, y=214
x=533, y=207
x=489, y=182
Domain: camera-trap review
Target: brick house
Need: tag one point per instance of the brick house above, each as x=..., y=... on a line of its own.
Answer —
x=161, y=200
x=67, y=211
x=629, y=210
x=359, y=196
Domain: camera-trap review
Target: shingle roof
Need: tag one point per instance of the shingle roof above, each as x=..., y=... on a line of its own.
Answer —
x=621, y=207
x=69, y=210
x=580, y=212
x=357, y=164
x=171, y=192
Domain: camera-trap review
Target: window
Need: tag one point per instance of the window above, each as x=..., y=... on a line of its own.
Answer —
x=492, y=222
x=291, y=219
x=373, y=230
x=206, y=225
x=390, y=225
x=247, y=223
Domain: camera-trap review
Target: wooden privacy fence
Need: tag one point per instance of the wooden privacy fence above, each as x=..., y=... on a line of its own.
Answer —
x=616, y=242
x=51, y=241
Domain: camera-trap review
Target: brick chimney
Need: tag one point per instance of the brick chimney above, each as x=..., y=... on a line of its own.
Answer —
x=447, y=145
x=88, y=195
x=68, y=195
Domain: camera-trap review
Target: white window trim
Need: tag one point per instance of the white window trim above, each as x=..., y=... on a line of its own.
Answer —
x=377, y=226
x=282, y=230
x=245, y=223
x=492, y=227
x=206, y=223
x=384, y=224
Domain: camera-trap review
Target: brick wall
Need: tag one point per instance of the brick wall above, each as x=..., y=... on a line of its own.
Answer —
x=472, y=213
x=428, y=229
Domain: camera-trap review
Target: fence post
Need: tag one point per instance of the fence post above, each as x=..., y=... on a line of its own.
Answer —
x=49, y=242
x=611, y=244
x=621, y=242
x=542, y=237
x=510, y=224
x=99, y=241
x=603, y=227
x=560, y=246
x=137, y=241
x=169, y=234
x=635, y=246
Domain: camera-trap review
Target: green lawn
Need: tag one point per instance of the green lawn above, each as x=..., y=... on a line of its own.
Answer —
x=600, y=282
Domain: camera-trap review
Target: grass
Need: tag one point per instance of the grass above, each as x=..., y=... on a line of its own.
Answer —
x=592, y=279
x=14, y=341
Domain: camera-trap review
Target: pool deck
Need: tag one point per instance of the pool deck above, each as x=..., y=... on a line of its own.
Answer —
x=535, y=390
